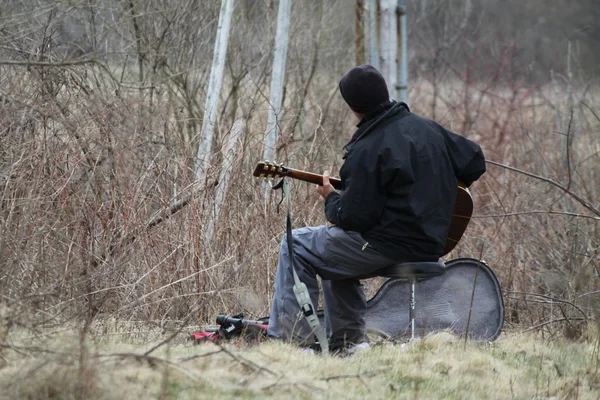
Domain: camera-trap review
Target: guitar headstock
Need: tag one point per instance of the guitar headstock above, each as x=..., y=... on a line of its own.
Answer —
x=269, y=169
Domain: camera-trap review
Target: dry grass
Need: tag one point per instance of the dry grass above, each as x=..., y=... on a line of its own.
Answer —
x=440, y=366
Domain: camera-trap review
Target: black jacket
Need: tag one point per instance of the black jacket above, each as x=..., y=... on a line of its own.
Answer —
x=399, y=182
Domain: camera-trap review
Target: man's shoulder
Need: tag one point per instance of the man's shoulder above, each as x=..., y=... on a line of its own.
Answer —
x=416, y=119
x=412, y=127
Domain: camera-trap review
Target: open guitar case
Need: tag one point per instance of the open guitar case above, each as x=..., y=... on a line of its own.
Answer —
x=465, y=300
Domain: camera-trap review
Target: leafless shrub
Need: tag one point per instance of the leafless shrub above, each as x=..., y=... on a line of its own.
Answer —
x=96, y=147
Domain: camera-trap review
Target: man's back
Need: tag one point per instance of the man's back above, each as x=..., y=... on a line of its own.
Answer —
x=400, y=180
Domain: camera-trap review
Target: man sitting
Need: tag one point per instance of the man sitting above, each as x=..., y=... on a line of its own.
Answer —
x=399, y=180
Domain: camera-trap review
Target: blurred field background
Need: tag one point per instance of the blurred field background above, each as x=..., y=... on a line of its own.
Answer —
x=101, y=104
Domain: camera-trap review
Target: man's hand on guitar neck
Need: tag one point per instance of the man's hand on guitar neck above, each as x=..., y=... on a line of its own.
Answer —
x=326, y=189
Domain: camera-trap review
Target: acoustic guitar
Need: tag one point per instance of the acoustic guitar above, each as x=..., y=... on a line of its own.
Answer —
x=463, y=208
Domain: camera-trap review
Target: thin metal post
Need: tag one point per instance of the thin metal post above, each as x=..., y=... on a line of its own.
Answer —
x=214, y=89
x=277, y=79
x=373, y=34
x=359, y=32
x=389, y=45
x=403, y=59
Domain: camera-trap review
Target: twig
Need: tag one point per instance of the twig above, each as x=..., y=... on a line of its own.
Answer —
x=33, y=349
x=569, y=142
x=66, y=63
x=175, y=207
x=72, y=63
x=13, y=348
x=245, y=362
x=569, y=214
x=189, y=317
x=531, y=328
x=183, y=279
x=589, y=293
x=195, y=356
x=592, y=111
x=581, y=201
x=152, y=361
x=161, y=215
x=355, y=376
x=472, y=299
x=549, y=298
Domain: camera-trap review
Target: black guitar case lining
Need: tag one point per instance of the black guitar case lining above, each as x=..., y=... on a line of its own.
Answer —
x=442, y=303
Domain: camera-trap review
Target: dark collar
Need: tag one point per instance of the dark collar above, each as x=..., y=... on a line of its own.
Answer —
x=376, y=112
x=373, y=117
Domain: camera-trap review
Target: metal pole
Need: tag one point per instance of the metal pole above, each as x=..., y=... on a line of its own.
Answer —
x=373, y=34
x=277, y=79
x=403, y=42
x=214, y=89
x=389, y=45
x=359, y=32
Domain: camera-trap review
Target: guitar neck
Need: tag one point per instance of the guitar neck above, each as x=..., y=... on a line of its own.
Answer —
x=463, y=205
x=312, y=178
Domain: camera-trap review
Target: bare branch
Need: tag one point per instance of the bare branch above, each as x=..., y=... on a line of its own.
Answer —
x=66, y=63
x=161, y=215
x=359, y=375
x=579, y=199
x=565, y=213
x=592, y=111
x=551, y=298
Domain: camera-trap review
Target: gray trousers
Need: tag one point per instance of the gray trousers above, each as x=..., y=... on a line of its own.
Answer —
x=339, y=257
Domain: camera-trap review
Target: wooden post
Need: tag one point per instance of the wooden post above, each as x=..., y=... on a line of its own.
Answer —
x=214, y=89
x=277, y=79
x=389, y=46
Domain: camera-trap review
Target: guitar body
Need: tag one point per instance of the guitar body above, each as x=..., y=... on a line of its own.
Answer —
x=463, y=206
x=463, y=210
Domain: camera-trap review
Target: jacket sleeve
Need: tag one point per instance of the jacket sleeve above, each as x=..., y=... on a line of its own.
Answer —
x=360, y=205
x=466, y=157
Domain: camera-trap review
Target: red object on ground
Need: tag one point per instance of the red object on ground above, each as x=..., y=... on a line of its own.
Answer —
x=251, y=333
x=204, y=336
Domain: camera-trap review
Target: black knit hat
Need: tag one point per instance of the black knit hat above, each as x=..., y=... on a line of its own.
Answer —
x=363, y=88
